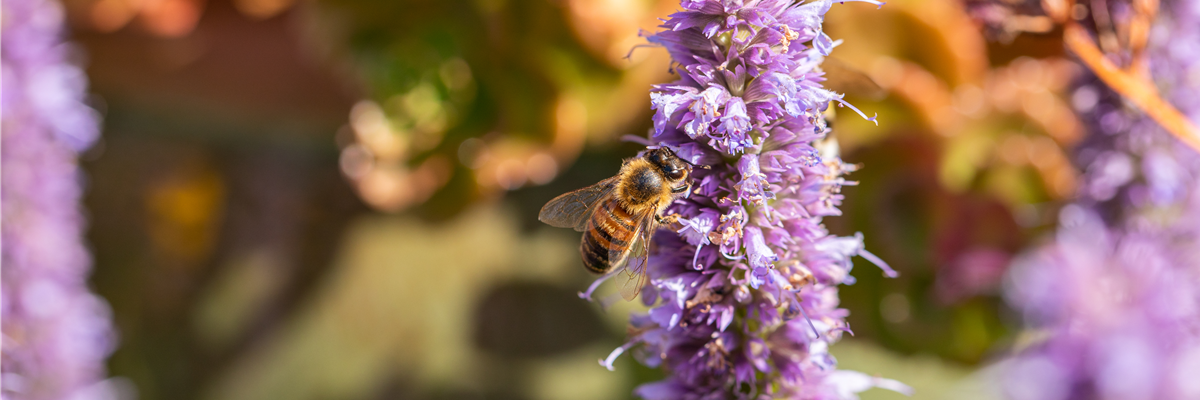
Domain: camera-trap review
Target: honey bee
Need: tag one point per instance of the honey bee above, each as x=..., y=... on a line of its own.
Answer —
x=618, y=215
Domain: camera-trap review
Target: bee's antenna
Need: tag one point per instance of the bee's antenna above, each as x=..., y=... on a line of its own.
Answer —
x=685, y=161
x=701, y=166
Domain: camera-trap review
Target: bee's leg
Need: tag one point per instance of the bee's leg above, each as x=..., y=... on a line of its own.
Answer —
x=670, y=220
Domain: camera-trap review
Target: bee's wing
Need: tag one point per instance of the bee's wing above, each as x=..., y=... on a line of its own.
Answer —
x=633, y=277
x=842, y=77
x=572, y=209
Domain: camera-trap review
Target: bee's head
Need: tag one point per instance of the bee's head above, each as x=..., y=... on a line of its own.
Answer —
x=672, y=167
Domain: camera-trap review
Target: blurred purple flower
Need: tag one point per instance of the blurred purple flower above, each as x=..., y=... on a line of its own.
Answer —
x=744, y=295
x=1117, y=294
x=56, y=334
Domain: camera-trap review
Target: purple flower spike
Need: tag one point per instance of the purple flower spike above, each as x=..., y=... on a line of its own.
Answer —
x=56, y=334
x=743, y=291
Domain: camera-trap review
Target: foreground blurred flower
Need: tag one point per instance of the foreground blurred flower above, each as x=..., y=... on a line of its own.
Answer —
x=1117, y=295
x=744, y=295
x=56, y=333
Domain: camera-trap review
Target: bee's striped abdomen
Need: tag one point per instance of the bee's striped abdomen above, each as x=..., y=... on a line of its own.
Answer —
x=612, y=232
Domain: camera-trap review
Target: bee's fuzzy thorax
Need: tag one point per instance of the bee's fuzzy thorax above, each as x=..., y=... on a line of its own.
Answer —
x=643, y=186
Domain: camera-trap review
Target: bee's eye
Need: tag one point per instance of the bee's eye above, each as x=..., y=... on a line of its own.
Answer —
x=675, y=174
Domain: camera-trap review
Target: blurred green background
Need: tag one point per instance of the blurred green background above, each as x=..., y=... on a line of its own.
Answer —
x=337, y=199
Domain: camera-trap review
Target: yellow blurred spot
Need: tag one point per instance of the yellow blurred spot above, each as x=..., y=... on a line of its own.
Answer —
x=182, y=213
x=423, y=107
x=963, y=157
x=1012, y=185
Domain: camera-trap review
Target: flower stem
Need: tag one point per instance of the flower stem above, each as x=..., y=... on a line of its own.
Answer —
x=1139, y=91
